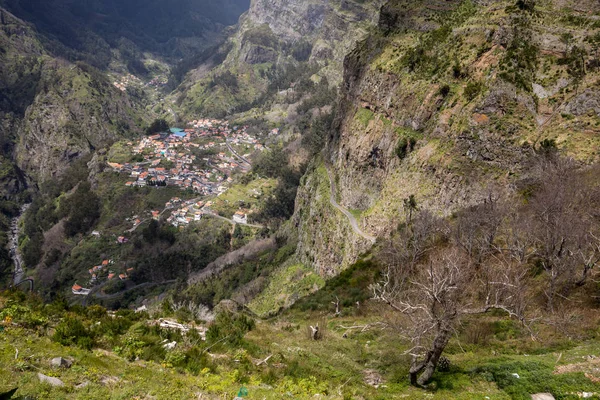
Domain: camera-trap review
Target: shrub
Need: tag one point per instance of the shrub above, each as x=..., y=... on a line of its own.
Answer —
x=548, y=147
x=159, y=125
x=526, y=5
x=472, y=90
x=71, y=331
x=405, y=146
x=444, y=90
x=229, y=328
x=365, y=116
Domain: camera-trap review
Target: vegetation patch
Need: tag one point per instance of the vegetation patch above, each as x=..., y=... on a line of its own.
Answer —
x=287, y=285
x=364, y=116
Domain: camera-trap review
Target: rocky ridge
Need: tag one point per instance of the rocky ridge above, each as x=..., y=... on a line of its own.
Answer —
x=442, y=104
x=53, y=111
x=276, y=34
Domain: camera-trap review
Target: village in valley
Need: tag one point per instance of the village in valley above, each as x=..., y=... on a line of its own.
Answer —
x=201, y=160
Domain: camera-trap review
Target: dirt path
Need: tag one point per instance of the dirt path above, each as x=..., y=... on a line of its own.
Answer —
x=348, y=214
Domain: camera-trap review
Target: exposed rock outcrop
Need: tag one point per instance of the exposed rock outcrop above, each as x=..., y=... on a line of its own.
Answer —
x=53, y=111
x=276, y=33
x=430, y=109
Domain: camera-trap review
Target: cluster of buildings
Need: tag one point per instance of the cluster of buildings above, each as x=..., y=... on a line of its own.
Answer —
x=158, y=81
x=201, y=158
x=192, y=210
x=126, y=81
x=95, y=272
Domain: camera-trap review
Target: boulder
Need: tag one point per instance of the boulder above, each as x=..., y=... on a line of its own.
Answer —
x=542, y=396
x=48, y=379
x=60, y=362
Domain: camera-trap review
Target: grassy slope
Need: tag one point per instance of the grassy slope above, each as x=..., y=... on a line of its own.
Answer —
x=482, y=366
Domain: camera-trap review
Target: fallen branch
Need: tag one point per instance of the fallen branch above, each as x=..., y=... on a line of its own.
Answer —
x=362, y=328
x=264, y=361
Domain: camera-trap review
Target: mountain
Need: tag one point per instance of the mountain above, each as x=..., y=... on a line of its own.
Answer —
x=89, y=30
x=421, y=180
x=277, y=44
x=54, y=111
x=444, y=100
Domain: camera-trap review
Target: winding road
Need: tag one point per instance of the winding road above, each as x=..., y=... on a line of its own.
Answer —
x=103, y=296
x=235, y=153
x=348, y=214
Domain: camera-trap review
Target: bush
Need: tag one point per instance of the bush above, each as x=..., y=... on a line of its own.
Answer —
x=548, y=147
x=405, y=146
x=444, y=90
x=71, y=331
x=229, y=328
x=526, y=5
x=472, y=90
x=159, y=125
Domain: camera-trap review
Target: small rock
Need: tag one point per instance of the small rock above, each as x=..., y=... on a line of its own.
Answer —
x=109, y=380
x=48, y=379
x=82, y=385
x=372, y=378
x=59, y=362
x=542, y=396
x=170, y=346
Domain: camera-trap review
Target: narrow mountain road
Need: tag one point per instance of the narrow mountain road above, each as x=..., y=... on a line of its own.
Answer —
x=348, y=214
x=235, y=153
x=102, y=296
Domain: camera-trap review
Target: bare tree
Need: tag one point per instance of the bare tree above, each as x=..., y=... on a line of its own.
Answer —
x=414, y=240
x=435, y=297
x=477, y=227
x=555, y=218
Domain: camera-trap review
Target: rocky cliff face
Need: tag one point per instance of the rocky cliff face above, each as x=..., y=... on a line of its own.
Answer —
x=447, y=101
x=53, y=111
x=75, y=111
x=274, y=34
x=330, y=28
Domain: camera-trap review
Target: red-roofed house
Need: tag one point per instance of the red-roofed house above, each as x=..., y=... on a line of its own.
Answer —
x=78, y=290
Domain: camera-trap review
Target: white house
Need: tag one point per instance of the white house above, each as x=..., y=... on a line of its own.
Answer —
x=78, y=290
x=240, y=217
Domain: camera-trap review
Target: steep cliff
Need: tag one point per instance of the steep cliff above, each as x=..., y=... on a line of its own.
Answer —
x=276, y=39
x=52, y=111
x=444, y=101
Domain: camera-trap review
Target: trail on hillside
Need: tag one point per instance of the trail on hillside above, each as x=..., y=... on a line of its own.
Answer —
x=348, y=214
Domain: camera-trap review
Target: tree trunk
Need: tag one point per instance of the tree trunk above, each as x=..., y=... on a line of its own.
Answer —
x=421, y=372
x=584, y=275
